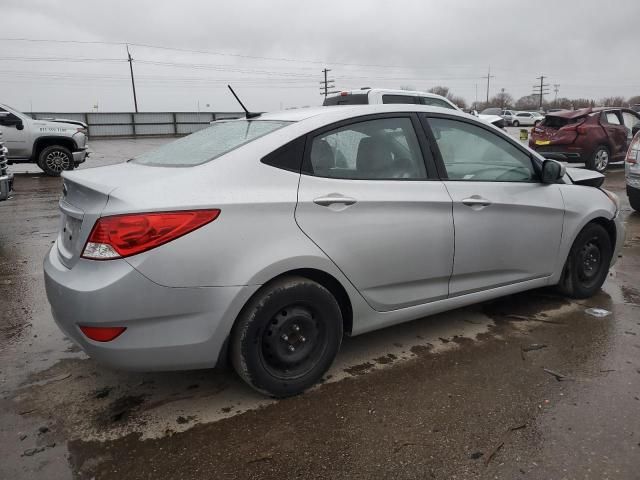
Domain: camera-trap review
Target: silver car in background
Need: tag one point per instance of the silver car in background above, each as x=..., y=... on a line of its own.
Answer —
x=266, y=240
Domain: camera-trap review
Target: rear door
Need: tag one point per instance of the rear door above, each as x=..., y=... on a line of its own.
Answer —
x=611, y=121
x=631, y=122
x=371, y=203
x=508, y=225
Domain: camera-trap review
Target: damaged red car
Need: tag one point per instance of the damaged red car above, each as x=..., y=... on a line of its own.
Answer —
x=593, y=136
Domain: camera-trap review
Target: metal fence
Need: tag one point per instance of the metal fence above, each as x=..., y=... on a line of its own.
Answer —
x=142, y=124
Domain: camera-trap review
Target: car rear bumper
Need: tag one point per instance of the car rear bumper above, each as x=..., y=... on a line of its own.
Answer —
x=6, y=186
x=572, y=154
x=166, y=328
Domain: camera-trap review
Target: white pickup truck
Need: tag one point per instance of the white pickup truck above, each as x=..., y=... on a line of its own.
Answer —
x=53, y=144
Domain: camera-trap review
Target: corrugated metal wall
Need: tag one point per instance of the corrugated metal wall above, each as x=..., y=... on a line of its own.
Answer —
x=141, y=124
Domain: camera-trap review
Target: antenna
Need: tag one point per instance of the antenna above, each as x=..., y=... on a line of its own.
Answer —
x=247, y=113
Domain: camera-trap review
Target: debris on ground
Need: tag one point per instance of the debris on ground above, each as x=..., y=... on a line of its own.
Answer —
x=597, y=312
x=30, y=452
x=103, y=392
x=476, y=455
x=534, y=346
x=559, y=376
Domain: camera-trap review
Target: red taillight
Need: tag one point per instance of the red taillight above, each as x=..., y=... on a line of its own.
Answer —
x=102, y=334
x=125, y=235
x=633, y=154
x=344, y=94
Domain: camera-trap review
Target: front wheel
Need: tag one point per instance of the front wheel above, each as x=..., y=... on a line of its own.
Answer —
x=516, y=123
x=286, y=337
x=599, y=159
x=588, y=263
x=54, y=159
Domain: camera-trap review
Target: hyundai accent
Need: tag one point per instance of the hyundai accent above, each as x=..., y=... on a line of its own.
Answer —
x=265, y=240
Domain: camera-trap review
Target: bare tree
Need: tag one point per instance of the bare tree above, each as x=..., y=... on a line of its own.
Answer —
x=407, y=87
x=502, y=100
x=440, y=90
x=528, y=102
x=459, y=101
x=612, y=101
x=634, y=100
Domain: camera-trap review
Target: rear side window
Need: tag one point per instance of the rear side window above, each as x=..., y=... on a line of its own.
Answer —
x=612, y=118
x=399, y=99
x=436, y=102
x=630, y=120
x=348, y=99
x=382, y=149
x=207, y=144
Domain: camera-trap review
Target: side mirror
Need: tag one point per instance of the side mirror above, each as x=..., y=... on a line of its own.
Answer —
x=552, y=171
x=20, y=126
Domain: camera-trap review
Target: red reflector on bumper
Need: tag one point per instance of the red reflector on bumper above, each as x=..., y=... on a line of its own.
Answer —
x=102, y=334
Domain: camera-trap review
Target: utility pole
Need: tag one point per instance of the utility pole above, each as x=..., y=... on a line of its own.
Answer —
x=489, y=76
x=556, y=89
x=326, y=84
x=133, y=82
x=540, y=90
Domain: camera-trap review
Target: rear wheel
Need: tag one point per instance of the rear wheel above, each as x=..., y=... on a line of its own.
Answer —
x=634, y=198
x=599, y=159
x=516, y=123
x=287, y=336
x=54, y=159
x=588, y=262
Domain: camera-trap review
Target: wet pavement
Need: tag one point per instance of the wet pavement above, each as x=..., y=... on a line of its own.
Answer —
x=528, y=386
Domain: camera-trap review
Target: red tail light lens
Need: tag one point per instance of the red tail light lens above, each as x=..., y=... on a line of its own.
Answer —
x=125, y=235
x=102, y=334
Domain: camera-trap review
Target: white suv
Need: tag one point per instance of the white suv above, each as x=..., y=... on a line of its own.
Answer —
x=366, y=96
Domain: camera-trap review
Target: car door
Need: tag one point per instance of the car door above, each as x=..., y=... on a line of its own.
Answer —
x=522, y=118
x=631, y=121
x=508, y=224
x=611, y=121
x=15, y=135
x=366, y=200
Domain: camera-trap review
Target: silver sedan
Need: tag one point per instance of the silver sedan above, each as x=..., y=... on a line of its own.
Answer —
x=265, y=240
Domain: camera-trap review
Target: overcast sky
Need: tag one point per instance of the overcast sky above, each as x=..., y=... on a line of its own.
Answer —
x=588, y=47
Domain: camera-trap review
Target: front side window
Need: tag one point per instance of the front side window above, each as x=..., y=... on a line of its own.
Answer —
x=399, y=99
x=471, y=153
x=385, y=148
x=209, y=143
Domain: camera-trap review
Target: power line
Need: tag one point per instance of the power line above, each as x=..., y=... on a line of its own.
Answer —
x=489, y=76
x=541, y=90
x=133, y=82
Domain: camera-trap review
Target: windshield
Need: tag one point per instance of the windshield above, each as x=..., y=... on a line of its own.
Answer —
x=7, y=108
x=210, y=143
x=491, y=111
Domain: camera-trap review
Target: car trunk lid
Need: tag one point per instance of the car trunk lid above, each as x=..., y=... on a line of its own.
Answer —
x=559, y=128
x=85, y=194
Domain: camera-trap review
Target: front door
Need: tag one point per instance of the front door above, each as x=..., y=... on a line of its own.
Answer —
x=366, y=200
x=611, y=121
x=14, y=139
x=508, y=225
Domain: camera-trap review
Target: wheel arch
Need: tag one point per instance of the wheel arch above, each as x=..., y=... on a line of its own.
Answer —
x=325, y=279
x=43, y=142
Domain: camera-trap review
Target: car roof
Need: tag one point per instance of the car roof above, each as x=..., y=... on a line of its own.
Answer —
x=343, y=112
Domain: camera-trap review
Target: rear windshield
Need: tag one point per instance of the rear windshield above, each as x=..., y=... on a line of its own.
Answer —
x=207, y=144
x=491, y=111
x=349, y=99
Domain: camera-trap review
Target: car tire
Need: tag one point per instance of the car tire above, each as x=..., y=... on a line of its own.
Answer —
x=286, y=337
x=634, y=198
x=599, y=159
x=588, y=262
x=535, y=124
x=516, y=123
x=54, y=159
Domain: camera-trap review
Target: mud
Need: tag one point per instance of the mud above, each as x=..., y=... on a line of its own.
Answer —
x=459, y=395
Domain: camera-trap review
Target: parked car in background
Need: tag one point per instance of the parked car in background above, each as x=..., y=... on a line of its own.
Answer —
x=636, y=107
x=372, y=96
x=632, y=172
x=526, y=119
x=595, y=136
x=6, y=178
x=508, y=116
x=53, y=144
x=281, y=232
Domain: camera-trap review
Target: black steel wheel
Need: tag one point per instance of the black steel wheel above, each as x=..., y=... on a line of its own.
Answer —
x=287, y=336
x=588, y=263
